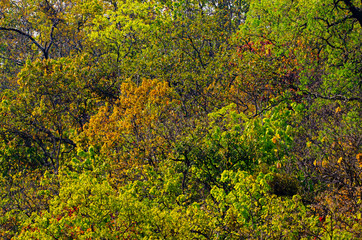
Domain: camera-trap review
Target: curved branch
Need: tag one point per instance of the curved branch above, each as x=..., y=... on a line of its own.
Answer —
x=356, y=12
x=45, y=51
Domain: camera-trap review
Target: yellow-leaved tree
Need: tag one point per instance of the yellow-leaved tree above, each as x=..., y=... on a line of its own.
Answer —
x=131, y=131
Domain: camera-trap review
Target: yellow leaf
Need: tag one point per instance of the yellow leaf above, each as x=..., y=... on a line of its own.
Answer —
x=359, y=159
x=275, y=138
x=324, y=163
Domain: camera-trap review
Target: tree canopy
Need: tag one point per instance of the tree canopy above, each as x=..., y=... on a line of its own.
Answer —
x=182, y=119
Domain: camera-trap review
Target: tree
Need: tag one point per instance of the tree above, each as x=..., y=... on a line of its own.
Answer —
x=324, y=39
x=39, y=119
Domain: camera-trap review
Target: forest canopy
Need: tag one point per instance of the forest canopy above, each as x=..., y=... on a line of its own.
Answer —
x=180, y=119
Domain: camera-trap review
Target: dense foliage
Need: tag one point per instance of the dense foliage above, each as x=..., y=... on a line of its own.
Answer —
x=180, y=119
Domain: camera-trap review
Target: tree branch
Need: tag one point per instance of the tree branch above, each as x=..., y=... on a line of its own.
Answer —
x=356, y=12
x=29, y=37
x=335, y=98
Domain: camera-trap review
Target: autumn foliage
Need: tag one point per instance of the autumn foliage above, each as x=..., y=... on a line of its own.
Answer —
x=180, y=119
